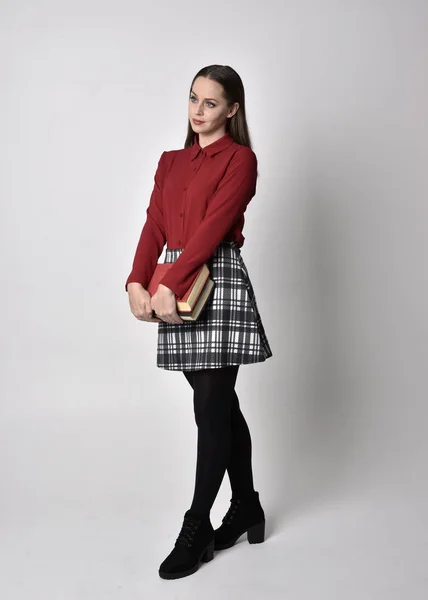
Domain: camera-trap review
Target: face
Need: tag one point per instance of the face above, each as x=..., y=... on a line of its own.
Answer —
x=207, y=104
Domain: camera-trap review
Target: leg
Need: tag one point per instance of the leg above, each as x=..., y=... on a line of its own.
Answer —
x=245, y=513
x=189, y=376
x=239, y=468
x=212, y=398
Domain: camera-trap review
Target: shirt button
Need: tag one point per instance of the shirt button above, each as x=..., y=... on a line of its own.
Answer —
x=184, y=189
x=181, y=214
x=179, y=242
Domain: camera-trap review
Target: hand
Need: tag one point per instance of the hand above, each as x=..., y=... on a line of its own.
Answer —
x=165, y=305
x=139, y=300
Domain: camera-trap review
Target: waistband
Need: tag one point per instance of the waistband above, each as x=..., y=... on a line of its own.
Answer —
x=227, y=243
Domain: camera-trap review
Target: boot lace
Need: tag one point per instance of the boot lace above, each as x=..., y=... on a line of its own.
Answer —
x=188, y=530
x=228, y=517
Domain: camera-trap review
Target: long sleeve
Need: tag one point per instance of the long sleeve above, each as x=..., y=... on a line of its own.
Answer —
x=152, y=238
x=228, y=203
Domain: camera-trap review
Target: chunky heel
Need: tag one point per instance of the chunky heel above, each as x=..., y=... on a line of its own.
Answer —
x=209, y=553
x=256, y=534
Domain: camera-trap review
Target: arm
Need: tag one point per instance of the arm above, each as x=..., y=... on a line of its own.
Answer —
x=152, y=238
x=229, y=202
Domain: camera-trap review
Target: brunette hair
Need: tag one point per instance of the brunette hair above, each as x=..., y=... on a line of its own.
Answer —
x=233, y=91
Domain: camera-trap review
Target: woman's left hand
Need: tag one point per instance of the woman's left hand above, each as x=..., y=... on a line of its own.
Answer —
x=163, y=302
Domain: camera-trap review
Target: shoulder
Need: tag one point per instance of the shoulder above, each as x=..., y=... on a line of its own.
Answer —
x=245, y=152
x=168, y=155
x=243, y=156
x=172, y=153
x=165, y=161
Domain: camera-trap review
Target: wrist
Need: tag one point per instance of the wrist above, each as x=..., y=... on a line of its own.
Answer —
x=134, y=285
x=165, y=287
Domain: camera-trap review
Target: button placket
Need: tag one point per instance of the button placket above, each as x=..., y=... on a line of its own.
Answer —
x=197, y=162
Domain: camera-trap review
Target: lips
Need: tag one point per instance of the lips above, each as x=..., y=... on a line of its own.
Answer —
x=198, y=122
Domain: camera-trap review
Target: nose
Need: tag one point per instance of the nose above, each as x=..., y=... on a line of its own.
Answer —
x=199, y=110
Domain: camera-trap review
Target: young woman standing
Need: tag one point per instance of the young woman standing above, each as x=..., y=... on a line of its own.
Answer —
x=197, y=208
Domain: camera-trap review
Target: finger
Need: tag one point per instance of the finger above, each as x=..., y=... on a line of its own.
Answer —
x=168, y=320
x=153, y=318
x=179, y=319
x=144, y=317
x=176, y=318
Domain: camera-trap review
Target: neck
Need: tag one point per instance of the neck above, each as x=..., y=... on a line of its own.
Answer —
x=205, y=140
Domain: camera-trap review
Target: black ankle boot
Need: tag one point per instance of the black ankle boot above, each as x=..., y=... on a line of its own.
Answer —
x=244, y=515
x=194, y=544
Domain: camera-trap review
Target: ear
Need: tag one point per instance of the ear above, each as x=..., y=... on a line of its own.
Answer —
x=233, y=110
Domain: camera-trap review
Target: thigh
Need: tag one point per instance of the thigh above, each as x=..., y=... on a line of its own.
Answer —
x=189, y=376
x=225, y=377
x=213, y=392
x=213, y=381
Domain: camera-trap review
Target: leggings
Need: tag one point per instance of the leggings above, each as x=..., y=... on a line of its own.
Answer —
x=224, y=441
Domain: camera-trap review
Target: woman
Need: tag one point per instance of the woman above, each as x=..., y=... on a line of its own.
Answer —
x=197, y=208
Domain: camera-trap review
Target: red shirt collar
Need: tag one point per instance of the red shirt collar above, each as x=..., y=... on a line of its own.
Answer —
x=224, y=142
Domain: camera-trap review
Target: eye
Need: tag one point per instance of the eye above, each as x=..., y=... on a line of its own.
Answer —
x=212, y=105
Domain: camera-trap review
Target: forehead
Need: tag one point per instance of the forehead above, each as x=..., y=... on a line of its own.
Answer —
x=207, y=88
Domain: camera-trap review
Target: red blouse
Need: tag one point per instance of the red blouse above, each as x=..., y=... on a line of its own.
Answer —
x=199, y=199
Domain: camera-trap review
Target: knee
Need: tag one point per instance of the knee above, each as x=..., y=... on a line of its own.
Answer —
x=212, y=412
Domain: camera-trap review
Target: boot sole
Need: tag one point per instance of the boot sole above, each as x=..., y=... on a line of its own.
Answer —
x=206, y=556
x=255, y=535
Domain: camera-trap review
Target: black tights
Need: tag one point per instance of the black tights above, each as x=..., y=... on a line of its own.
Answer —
x=224, y=441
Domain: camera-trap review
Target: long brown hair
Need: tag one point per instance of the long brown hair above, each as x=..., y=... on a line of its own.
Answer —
x=233, y=91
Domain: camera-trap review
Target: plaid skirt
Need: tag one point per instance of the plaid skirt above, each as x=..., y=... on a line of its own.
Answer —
x=229, y=330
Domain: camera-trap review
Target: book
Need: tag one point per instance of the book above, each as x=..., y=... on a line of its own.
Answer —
x=190, y=305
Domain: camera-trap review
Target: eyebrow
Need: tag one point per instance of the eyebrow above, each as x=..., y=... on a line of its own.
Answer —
x=195, y=94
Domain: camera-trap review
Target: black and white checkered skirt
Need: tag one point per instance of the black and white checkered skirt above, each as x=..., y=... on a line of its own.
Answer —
x=229, y=330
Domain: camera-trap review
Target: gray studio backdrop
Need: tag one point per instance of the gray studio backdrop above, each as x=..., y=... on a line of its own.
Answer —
x=98, y=445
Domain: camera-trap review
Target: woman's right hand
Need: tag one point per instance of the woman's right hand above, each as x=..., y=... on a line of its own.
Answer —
x=139, y=301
